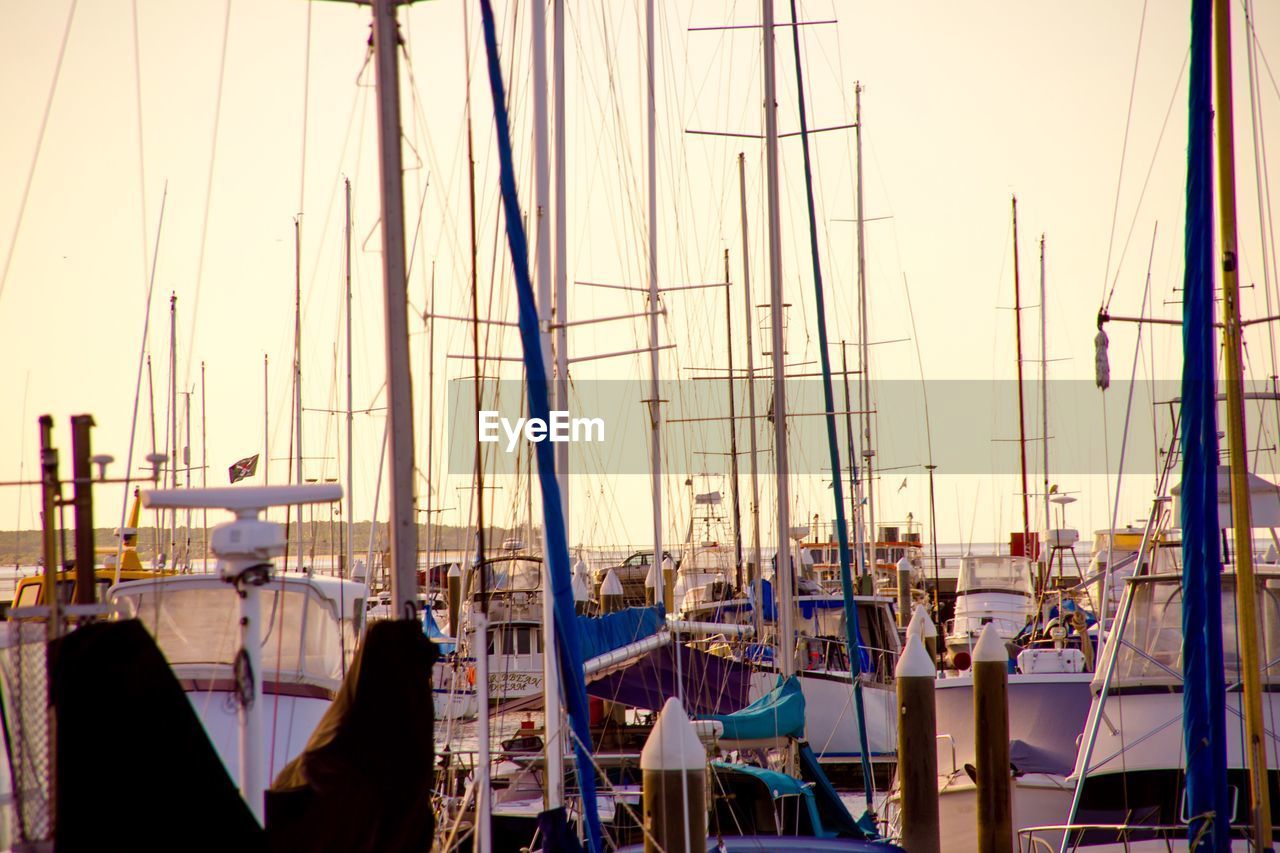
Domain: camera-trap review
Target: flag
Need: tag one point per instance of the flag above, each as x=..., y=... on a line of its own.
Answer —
x=246, y=467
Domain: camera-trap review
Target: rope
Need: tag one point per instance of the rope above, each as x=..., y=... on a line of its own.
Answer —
x=35, y=155
x=1124, y=148
x=208, y=188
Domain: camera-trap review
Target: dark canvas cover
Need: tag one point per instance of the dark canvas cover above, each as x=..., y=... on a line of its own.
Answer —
x=364, y=780
x=135, y=769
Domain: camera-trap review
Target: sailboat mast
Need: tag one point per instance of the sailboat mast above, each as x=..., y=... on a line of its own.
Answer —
x=297, y=375
x=782, y=574
x=560, y=305
x=864, y=340
x=1044, y=403
x=1237, y=450
x=733, y=428
x=404, y=523
x=757, y=567
x=349, y=500
x=204, y=471
x=655, y=404
x=1022, y=417
x=266, y=420
x=173, y=424
x=554, y=787
x=479, y=618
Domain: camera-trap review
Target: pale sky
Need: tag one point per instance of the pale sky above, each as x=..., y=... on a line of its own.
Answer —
x=964, y=104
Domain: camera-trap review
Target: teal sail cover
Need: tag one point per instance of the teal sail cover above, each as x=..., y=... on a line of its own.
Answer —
x=778, y=713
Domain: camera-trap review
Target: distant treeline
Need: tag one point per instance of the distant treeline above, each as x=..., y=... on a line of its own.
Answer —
x=22, y=547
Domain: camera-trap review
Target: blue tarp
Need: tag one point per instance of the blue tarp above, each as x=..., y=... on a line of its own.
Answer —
x=433, y=632
x=600, y=634
x=1204, y=691
x=778, y=713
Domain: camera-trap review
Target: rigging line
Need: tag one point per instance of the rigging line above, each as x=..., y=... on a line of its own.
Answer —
x=35, y=155
x=1173, y=97
x=142, y=172
x=208, y=188
x=1124, y=435
x=137, y=388
x=306, y=105
x=1261, y=179
x=1124, y=149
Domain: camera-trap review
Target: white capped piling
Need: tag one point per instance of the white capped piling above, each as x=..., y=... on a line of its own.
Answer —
x=581, y=593
x=991, y=743
x=611, y=593
x=651, y=584
x=917, y=747
x=925, y=629
x=455, y=600
x=669, y=584
x=673, y=766
x=904, y=591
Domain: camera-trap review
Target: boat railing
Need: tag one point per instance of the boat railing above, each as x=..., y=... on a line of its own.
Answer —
x=950, y=739
x=1030, y=842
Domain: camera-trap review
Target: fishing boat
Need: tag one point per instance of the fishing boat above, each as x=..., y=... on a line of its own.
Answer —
x=992, y=589
x=312, y=630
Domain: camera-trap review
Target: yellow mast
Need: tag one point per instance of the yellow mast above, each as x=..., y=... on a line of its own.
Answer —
x=1246, y=606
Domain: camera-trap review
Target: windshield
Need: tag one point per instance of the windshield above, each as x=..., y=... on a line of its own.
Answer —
x=994, y=574
x=200, y=625
x=1152, y=647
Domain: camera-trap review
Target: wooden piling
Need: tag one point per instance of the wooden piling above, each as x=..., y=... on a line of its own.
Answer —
x=927, y=630
x=673, y=768
x=991, y=743
x=455, y=600
x=904, y=591
x=917, y=749
x=611, y=593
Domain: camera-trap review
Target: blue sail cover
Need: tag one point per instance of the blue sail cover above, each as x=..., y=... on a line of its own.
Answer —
x=778, y=713
x=1204, y=693
x=601, y=634
x=433, y=632
x=556, y=541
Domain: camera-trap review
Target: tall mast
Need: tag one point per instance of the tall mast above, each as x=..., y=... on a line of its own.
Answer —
x=404, y=522
x=554, y=786
x=855, y=493
x=1022, y=418
x=204, y=471
x=751, y=400
x=266, y=420
x=1044, y=401
x=349, y=496
x=297, y=375
x=172, y=426
x=480, y=618
x=560, y=306
x=864, y=340
x=655, y=403
x=733, y=427
x=782, y=563
x=1237, y=450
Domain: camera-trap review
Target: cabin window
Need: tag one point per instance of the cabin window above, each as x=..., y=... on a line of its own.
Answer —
x=515, y=640
x=28, y=596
